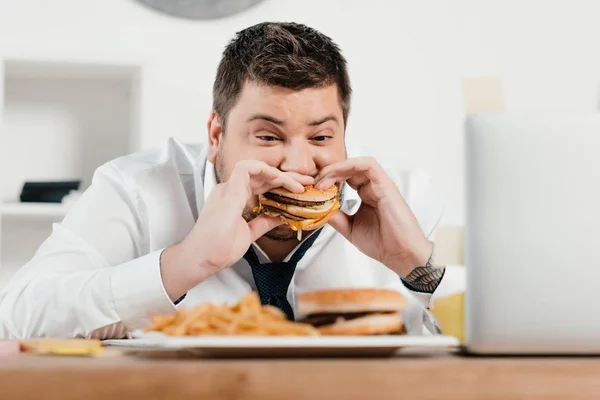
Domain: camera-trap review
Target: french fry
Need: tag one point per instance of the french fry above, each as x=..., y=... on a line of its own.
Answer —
x=271, y=312
x=247, y=317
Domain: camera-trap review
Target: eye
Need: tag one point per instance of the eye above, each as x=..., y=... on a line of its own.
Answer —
x=321, y=138
x=268, y=138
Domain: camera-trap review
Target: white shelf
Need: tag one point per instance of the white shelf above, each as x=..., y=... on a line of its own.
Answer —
x=58, y=121
x=61, y=121
x=41, y=210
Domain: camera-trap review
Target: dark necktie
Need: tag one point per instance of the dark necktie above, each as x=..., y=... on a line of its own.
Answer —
x=273, y=279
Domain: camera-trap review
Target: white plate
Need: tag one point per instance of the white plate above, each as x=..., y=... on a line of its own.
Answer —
x=287, y=346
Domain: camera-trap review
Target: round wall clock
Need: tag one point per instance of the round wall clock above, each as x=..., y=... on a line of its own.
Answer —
x=200, y=9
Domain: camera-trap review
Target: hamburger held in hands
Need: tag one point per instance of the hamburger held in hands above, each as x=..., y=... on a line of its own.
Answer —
x=305, y=211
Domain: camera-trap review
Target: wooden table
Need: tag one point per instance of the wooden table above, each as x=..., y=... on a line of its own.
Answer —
x=439, y=375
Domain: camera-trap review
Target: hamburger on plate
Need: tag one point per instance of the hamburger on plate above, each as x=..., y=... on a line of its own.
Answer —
x=353, y=311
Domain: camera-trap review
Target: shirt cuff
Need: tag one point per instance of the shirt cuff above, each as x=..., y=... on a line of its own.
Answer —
x=453, y=281
x=138, y=291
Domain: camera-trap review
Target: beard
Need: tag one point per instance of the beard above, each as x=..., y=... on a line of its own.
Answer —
x=282, y=233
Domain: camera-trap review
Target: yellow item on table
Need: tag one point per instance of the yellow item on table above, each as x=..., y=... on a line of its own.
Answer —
x=69, y=347
x=449, y=311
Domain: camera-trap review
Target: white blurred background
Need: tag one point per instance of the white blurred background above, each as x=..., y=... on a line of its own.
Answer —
x=84, y=81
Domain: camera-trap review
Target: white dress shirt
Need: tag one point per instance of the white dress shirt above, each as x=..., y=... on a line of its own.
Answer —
x=98, y=273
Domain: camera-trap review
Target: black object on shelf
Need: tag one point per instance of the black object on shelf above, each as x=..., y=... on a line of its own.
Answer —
x=47, y=192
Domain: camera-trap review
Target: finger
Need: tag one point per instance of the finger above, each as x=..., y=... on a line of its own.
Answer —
x=354, y=181
x=358, y=172
x=328, y=169
x=250, y=175
x=291, y=181
x=263, y=224
x=284, y=181
x=303, y=179
x=349, y=169
x=342, y=223
x=245, y=170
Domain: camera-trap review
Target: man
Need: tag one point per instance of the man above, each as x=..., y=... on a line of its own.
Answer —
x=171, y=227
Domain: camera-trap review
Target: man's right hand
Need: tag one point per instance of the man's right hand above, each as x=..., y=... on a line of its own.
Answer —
x=221, y=236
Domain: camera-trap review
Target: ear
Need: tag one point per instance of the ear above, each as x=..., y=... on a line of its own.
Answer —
x=215, y=131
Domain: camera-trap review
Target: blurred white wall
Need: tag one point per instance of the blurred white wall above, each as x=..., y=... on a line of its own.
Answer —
x=407, y=59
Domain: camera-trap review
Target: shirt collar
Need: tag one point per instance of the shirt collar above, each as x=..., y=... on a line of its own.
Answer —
x=350, y=200
x=210, y=179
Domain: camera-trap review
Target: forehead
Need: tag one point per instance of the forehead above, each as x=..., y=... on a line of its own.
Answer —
x=288, y=104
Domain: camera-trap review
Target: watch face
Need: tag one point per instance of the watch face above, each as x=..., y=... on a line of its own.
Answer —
x=200, y=9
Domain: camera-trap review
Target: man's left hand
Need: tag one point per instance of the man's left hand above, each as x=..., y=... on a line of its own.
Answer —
x=384, y=227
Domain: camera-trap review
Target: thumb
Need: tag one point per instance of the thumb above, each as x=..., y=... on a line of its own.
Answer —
x=342, y=223
x=263, y=224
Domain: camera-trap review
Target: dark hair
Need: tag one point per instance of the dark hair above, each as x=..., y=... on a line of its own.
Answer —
x=279, y=54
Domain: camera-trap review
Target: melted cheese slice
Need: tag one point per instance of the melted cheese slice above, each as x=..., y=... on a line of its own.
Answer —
x=300, y=225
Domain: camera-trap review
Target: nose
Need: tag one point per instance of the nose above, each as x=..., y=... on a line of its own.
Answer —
x=299, y=158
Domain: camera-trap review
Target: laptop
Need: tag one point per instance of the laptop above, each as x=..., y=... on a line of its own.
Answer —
x=532, y=243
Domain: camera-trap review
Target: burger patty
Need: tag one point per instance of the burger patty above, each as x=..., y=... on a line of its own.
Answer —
x=281, y=212
x=328, y=319
x=287, y=200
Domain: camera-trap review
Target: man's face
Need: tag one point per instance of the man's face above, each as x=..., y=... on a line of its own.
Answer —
x=296, y=131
